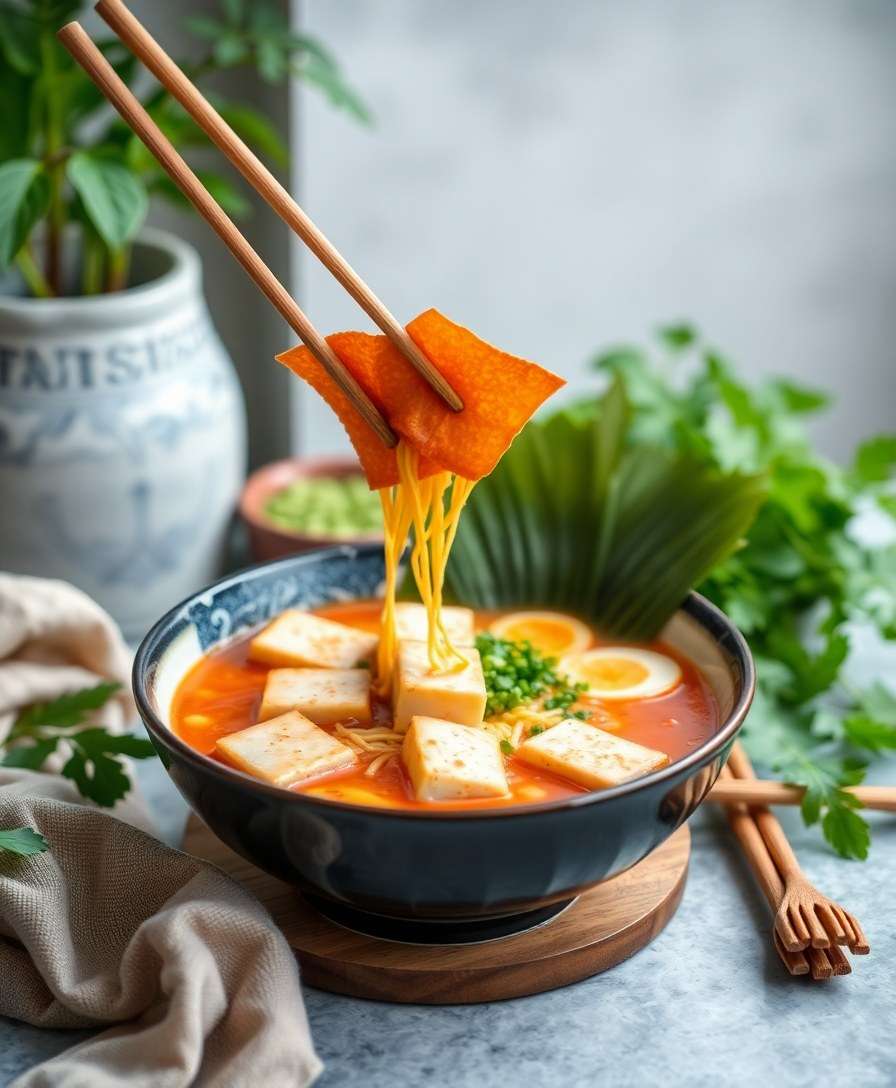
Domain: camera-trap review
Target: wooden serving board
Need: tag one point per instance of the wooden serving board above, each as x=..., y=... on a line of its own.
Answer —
x=600, y=929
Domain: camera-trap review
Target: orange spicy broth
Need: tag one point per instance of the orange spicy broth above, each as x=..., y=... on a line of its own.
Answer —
x=222, y=694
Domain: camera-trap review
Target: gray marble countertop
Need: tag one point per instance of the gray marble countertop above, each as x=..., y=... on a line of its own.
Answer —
x=706, y=1003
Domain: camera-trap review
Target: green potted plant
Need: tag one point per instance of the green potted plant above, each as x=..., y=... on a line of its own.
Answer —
x=118, y=403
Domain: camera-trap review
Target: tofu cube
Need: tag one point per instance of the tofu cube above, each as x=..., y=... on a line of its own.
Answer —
x=450, y=762
x=456, y=696
x=412, y=622
x=299, y=638
x=285, y=750
x=325, y=696
x=590, y=756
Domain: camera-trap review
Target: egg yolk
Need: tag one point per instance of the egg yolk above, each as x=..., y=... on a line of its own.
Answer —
x=613, y=673
x=548, y=636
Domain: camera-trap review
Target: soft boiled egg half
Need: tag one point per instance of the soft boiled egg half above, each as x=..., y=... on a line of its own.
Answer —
x=622, y=672
x=551, y=633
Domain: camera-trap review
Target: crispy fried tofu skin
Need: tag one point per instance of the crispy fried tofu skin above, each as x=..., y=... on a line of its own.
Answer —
x=500, y=393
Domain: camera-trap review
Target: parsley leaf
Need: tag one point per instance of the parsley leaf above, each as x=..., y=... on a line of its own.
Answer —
x=677, y=337
x=67, y=710
x=22, y=841
x=94, y=762
x=845, y=830
x=867, y=732
x=31, y=757
x=802, y=575
x=94, y=768
x=875, y=460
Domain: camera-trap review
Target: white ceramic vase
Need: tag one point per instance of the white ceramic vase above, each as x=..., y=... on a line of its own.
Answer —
x=122, y=437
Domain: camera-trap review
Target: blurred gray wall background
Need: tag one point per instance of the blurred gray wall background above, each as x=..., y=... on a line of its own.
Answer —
x=564, y=175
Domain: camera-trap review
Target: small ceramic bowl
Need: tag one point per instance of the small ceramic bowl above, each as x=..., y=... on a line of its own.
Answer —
x=441, y=876
x=267, y=539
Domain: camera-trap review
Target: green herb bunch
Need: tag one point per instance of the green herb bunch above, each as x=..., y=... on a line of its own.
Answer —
x=68, y=158
x=516, y=673
x=802, y=582
x=94, y=756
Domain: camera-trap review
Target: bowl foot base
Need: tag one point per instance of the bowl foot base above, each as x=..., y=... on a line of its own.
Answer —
x=453, y=931
x=596, y=931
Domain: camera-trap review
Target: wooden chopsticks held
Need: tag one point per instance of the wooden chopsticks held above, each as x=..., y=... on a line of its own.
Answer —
x=76, y=41
x=138, y=39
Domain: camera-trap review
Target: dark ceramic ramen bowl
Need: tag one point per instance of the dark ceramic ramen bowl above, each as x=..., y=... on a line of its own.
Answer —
x=432, y=875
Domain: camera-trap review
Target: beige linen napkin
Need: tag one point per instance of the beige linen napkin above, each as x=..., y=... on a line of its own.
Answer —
x=111, y=927
x=55, y=640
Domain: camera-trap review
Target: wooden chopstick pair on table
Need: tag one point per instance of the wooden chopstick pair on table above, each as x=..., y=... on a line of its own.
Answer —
x=135, y=36
x=757, y=791
x=810, y=930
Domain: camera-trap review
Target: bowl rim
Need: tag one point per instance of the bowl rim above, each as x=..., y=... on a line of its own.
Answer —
x=709, y=616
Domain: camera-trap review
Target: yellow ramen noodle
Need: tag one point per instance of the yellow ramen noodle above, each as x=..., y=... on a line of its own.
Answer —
x=433, y=507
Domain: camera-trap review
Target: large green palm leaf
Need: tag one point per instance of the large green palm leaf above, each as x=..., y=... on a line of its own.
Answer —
x=575, y=518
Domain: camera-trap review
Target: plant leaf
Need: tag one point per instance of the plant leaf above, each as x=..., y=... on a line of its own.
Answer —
x=797, y=399
x=571, y=518
x=234, y=10
x=256, y=130
x=888, y=504
x=225, y=193
x=339, y=93
x=203, y=26
x=113, y=196
x=866, y=732
x=19, y=41
x=801, y=574
x=271, y=59
x=875, y=460
x=811, y=674
x=17, y=92
x=67, y=710
x=126, y=744
x=879, y=702
x=230, y=49
x=24, y=197
x=23, y=841
x=95, y=768
x=31, y=756
x=846, y=831
x=678, y=337
x=305, y=43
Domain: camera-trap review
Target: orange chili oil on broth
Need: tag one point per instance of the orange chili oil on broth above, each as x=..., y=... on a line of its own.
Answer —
x=222, y=694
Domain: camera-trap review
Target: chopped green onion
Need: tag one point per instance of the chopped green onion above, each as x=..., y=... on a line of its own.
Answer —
x=516, y=673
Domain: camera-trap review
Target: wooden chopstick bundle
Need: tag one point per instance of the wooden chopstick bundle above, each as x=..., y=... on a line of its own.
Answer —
x=141, y=43
x=767, y=877
x=808, y=929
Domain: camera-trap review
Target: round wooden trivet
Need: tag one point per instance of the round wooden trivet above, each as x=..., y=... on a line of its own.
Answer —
x=600, y=929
